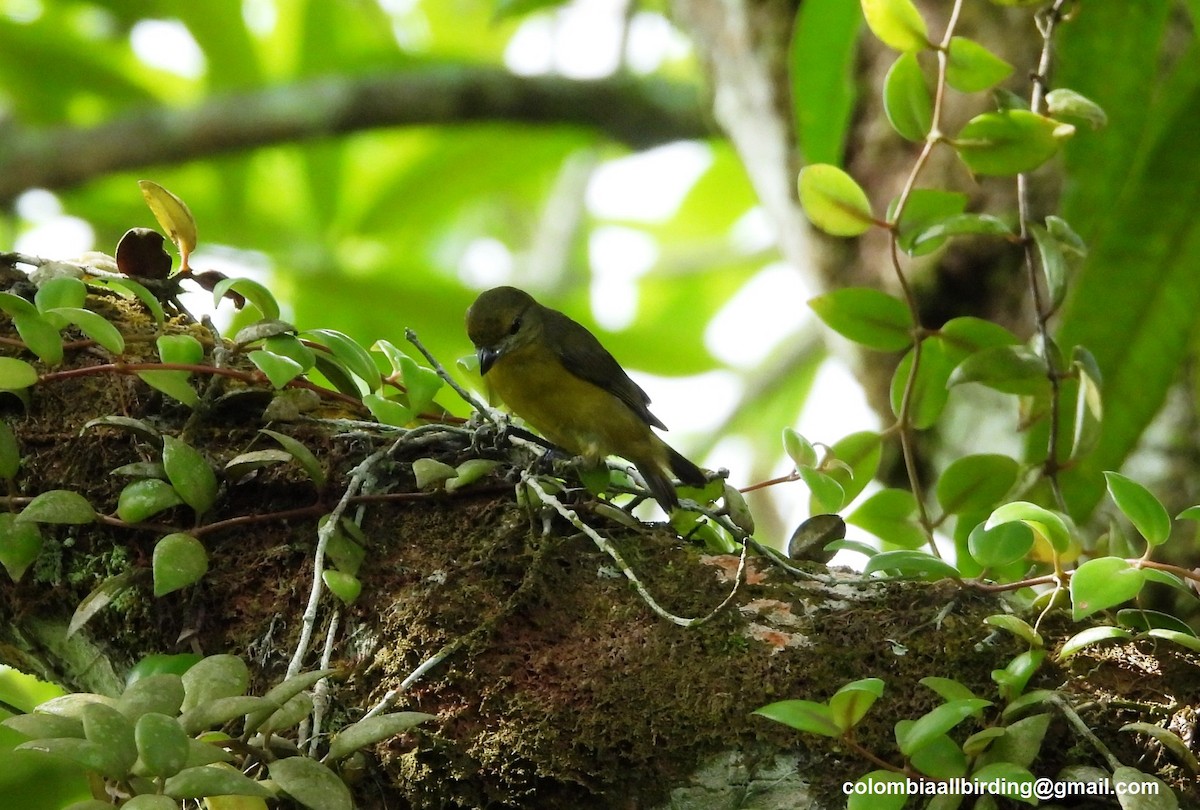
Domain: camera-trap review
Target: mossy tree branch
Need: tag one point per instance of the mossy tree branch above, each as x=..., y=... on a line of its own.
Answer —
x=637, y=112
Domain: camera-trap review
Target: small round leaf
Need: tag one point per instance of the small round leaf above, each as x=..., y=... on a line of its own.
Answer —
x=179, y=561
x=833, y=201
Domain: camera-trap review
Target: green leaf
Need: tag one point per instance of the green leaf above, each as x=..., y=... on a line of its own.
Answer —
x=947, y=688
x=1169, y=740
x=41, y=337
x=72, y=704
x=889, y=515
x=172, y=383
x=870, y=317
x=420, y=384
x=154, y=689
x=88, y=754
x=38, y=725
x=880, y=790
x=372, y=730
x=1013, y=679
x=354, y=357
x=924, y=208
x=388, y=411
x=300, y=452
x=214, y=677
x=1050, y=525
x=190, y=474
x=211, y=780
x=94, y=326
x=929, y=392
x=1064, y=103
x=1187, y=640
x=860, y=454
x=1054, y=264
x=937, y=722
x=58, y=506
x=113, y=731
x=242, y=465
x=60, y=292
x=20, y=545
x=343, y=550
x=1021, y=742
x=1093, y=635
x=1143, y=619
x=344, y=586
x=1102, y=583
x=100, y=597
x=850, y=704
x=16, y=374
x=937, y=232
x=910, y=563
x=800, y=450
x=966, y=335
x=822, y=71
x=833, y=201
x=1010, y=369
x=825, y=490
x=1000, y=545
x=1009, y=142
x=162, y=744
x=142, y=499
x=283, y=692
x=1069, y=241
x=896, y=23
x=179, y=560
x=970, y=67
x=976, y=483
x=940, y=758
x=311, y=783
x=182, y=349
x=288, y=345
x=802, y=715
x=279, y=370
x=290, y=714
x=430, y=471
x=1144, y=511
x=14, y=305
x=179, y=349
x=469, y=472
x=255, y=293
x=906, y=99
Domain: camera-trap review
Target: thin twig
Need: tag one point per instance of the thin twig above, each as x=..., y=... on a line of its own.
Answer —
x=904, y=418
x=411, y=336
x=321, y=689
x=309, y=621
x=608, y=548
x=1042, y=312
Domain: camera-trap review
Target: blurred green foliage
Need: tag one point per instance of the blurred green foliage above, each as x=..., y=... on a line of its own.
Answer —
x=367, y=233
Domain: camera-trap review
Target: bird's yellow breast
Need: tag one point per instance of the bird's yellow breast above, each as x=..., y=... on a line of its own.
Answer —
x=571, y=412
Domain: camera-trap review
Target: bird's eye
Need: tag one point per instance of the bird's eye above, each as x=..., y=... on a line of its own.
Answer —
x=516, y=327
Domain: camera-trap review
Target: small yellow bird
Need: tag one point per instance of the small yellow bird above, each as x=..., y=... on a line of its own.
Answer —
x=554, y=374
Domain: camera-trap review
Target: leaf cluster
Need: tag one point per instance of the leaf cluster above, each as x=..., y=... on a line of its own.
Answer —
x=165, y=739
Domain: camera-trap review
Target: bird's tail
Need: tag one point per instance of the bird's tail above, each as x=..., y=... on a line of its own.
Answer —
x=660, y=484
x=686, y=471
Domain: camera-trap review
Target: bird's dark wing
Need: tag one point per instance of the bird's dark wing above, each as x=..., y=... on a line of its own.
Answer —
x=588, y=360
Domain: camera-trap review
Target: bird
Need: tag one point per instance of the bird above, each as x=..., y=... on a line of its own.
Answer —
x=553, y=373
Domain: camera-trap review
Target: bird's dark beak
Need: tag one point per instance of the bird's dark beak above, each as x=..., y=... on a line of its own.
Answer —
x=487, y=356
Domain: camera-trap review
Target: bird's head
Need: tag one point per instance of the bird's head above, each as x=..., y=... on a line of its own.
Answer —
x=500, y=320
